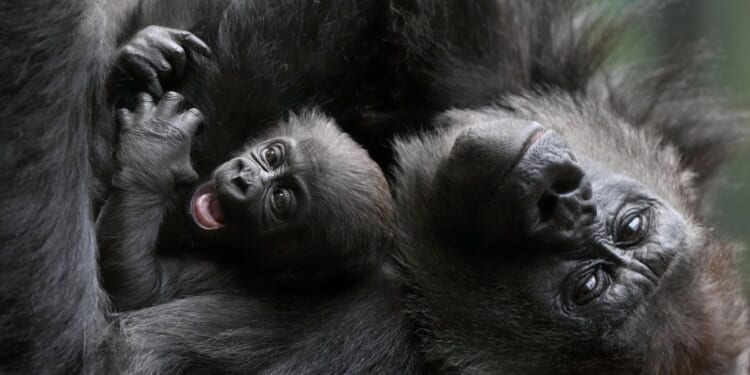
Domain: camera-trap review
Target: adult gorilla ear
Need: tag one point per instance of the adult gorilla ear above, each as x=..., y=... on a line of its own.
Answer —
x=672, y=99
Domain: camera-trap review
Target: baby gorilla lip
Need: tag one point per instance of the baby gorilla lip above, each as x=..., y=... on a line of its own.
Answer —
x=205, y=208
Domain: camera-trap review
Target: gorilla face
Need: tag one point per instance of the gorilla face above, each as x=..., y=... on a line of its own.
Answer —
x=553, y=241
x=265, y=188
x=301, y=199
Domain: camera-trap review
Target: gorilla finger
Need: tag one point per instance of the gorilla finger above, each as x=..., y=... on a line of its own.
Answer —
x=170, y=104
x=195, y=44
x=141, y=69
x=176, y=55
x=124, y=118
x=191, y=120
x=145, y=102
x=164, y=67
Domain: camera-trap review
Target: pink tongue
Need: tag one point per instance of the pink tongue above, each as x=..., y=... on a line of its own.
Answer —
x=215, y=209
x=206, y=210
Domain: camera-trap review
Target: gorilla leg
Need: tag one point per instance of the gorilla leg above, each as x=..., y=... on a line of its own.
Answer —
x=52, y=61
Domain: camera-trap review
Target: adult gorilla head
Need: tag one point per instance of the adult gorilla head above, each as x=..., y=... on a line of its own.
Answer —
x=557, y=229
x=571, y=243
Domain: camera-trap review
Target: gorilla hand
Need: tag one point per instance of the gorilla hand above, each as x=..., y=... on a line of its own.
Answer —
x=154, y=150
x=157, y=53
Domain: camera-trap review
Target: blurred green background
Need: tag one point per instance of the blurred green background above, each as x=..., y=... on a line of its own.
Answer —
x=724, y=26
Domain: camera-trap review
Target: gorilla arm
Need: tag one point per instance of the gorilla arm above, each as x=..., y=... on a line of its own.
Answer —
x=153, y=159
x=52, y=318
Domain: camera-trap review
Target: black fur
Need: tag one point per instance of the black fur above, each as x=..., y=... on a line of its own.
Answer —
x=482, y=282
x=340, y=229
x=52, y=317
x=270, y=58
x=511, y=59
x=56, y=140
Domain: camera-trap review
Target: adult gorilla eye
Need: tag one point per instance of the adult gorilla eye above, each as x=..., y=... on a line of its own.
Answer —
x=273, y=155
x=282, y=203
x=632, y=229
x=590, y=286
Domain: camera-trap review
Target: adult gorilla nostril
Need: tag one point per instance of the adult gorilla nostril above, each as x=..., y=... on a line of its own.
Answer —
x=546, y=206
x=568, y=181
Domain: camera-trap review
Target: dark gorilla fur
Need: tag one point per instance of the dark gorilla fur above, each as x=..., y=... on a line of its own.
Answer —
x=337, y=234
x=504, y=267
x=475, y=309
x=269, y=58
x=56, y=143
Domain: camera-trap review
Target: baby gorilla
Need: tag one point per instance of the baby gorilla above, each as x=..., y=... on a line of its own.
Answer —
x=302, y=205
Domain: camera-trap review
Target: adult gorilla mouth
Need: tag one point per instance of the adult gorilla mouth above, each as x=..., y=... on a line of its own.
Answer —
x=205, y=208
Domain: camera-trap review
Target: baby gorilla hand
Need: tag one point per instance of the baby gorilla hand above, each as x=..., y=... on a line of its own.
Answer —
x=158, y=53
x=154, y=149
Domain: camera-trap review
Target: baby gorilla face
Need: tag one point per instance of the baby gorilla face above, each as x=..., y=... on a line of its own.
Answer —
x=302, y=195
x=264, y=188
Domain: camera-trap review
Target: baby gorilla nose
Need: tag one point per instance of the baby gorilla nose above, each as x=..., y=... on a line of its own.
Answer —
x=239, y=181
x=243, y=174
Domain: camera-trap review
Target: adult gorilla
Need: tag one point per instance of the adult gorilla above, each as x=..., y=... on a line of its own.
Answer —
x=553, y=226
x=646, y=291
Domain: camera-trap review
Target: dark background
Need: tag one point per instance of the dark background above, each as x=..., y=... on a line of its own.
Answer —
x=724, y=27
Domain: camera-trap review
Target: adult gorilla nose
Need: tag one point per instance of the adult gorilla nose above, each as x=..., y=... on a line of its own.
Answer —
x=565, y=197
x=544, y=201
x=556, y=193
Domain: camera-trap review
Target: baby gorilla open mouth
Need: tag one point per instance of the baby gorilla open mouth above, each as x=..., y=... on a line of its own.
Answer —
x=205, y=208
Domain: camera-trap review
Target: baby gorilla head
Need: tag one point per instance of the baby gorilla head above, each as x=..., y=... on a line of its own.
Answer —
x=303, y=202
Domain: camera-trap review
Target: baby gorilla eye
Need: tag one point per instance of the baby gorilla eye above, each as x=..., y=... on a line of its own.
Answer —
x=282, y=203
x=632, y=229
x=273, y=155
